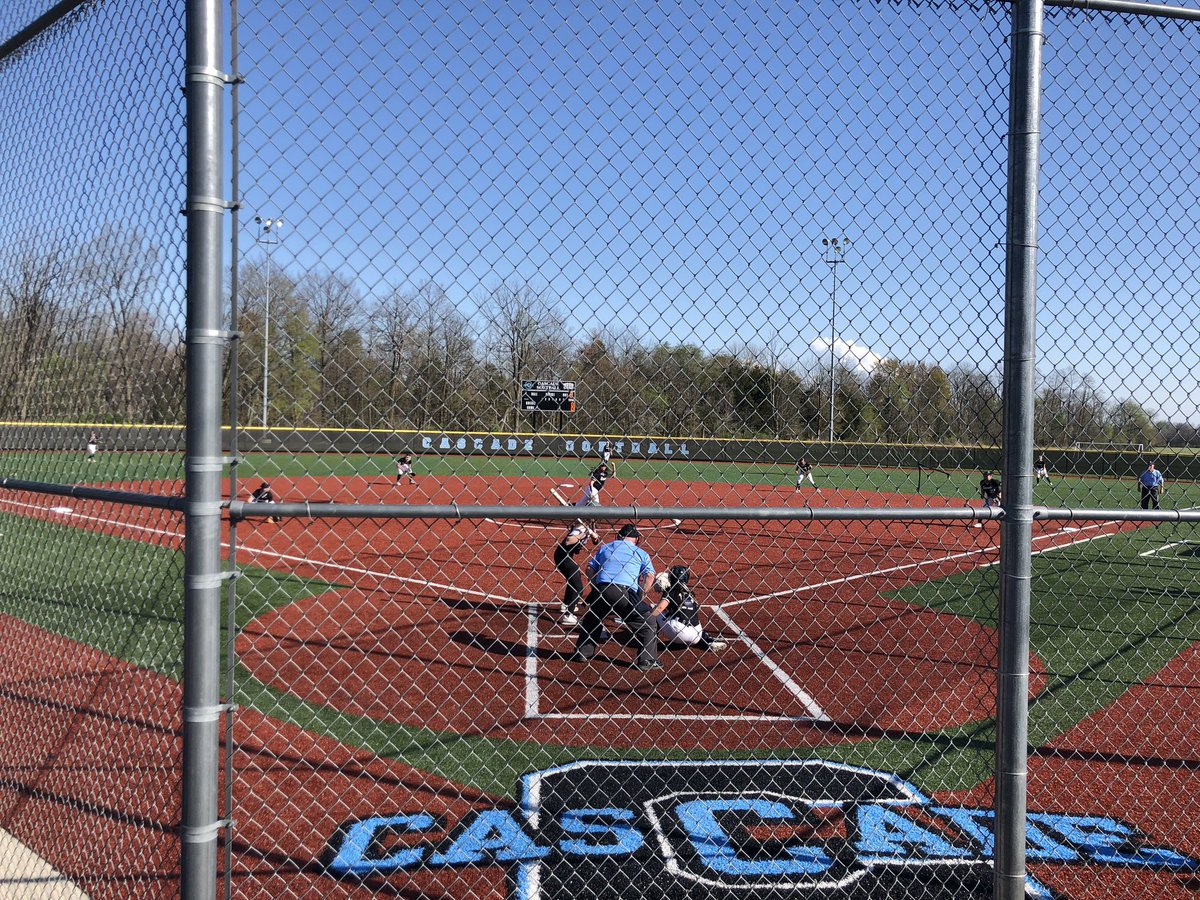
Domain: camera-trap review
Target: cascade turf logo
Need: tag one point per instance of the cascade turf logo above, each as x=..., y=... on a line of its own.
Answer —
x=725, y=830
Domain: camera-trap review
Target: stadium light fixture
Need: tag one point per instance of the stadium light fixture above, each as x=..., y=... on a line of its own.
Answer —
x=264, y=237
x=834, y=255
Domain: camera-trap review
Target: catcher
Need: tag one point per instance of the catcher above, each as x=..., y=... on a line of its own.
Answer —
x=679, y=623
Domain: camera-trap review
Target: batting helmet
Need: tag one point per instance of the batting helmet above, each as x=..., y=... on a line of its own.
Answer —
x=679, y=575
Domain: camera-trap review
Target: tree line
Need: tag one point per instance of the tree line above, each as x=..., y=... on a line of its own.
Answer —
x=89, y=336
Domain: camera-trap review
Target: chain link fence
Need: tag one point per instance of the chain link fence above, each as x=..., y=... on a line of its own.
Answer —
x=92, y=143
x=472, y=290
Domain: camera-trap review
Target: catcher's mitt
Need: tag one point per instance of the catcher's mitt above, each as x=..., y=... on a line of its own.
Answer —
x=662, y=582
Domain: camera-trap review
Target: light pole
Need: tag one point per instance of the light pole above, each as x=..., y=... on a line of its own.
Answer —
x=264, y=237
x=834, y=255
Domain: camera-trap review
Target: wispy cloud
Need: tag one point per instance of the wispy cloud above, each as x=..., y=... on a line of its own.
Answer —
x=850, y=355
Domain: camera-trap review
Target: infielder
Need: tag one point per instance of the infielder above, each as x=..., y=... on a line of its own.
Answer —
x=804, y=470
x=404, y=469
x=600, y=475
x=989, y=492
x=264, y=494
x=590, y=495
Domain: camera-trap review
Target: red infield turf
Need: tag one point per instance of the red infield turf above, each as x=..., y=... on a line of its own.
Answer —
x=89, y=745
x=453, y=625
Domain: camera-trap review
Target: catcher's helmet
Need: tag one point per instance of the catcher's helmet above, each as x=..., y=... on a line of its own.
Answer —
x=679, y=575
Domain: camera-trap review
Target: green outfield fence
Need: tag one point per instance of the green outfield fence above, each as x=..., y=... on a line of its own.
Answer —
x=803, y=272
x=1178, y=464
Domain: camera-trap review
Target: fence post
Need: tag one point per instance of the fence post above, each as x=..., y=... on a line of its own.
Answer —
x=203, y=462
x=1016, y=532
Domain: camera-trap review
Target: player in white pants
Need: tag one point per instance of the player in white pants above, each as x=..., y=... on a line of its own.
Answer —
x=590, y=495
x=679, y=623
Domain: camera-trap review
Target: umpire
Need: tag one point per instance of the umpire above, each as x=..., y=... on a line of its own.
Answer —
x=1151, y=483
x=621, y=574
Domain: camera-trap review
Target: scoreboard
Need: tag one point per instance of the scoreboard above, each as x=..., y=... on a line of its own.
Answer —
x=547, y=396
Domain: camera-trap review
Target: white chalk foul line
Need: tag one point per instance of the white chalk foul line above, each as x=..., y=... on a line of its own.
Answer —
x=676, y=717
x=810, y=705
x=288, y=557
x=1158, y=550
x=904, y=567
x=798, y=691
x=532, y=694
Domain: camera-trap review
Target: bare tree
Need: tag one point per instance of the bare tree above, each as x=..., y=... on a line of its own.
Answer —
x=121, y=268
x=30, y=307
x=527, y=337
x=390, y=338
x=334, y=307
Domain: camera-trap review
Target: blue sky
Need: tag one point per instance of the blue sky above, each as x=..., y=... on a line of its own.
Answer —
x=667, y=170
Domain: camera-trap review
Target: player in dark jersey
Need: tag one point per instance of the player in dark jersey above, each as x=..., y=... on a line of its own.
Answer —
x=804, y=470
x=564, y=560
x=600, y=475
x=989, y=492
x=264, y=494
x=1041, y=469
x=404, y=469
x=679, y=623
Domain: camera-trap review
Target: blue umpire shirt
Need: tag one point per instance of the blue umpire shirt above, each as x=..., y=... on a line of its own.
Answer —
x=1151, y=479
x=621, y=562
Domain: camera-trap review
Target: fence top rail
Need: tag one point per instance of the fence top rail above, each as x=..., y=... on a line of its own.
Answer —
x=1157, y=10
x=241, y=509
x=104, y=495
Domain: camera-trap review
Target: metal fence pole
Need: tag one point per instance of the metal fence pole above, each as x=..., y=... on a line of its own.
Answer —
x=203, y=464
x=1016, y=533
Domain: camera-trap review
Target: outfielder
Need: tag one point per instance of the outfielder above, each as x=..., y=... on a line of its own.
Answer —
x=679, y=623
x=1041, y=469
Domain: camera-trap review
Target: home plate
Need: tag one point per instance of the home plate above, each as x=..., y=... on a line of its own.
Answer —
x=62, y=510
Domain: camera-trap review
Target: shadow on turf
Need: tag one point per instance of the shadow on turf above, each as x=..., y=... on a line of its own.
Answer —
x=502, y=647
x=463, y=603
